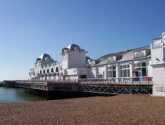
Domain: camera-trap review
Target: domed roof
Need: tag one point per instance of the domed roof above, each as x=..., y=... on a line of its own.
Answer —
x=44, y=55
x=44, y=58
x=72, y=46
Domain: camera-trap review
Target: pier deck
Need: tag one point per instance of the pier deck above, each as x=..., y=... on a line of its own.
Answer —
x=91, y=86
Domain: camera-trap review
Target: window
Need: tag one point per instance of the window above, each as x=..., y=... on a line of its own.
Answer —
x=57, y=69
x=124, y=70
x=40, y=72
x=140, y=69
x=111, y=71
x=52, y=70
x=44, y=71
x=83, y=76
x=119, y=57
x=47, y=70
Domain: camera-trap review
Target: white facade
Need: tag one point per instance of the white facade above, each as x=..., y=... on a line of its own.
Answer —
x=145, y=63
x=74, y=62
x=158, y=65
x=73, y=57
x=45, y=68
x=127, y=64
x=73, y=65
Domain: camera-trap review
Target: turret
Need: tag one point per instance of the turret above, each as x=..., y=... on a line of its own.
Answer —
x=158, y=65
x=73, y=57
x=158, y=50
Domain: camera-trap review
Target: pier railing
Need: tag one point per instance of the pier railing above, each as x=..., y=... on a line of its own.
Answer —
x=140, y=80
x=47, y=81
x=134, y=80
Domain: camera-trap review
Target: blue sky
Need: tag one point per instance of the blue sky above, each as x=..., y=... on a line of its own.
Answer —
x=31, y=27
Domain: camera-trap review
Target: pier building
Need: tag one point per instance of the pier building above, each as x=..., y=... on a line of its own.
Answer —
x=138, y=64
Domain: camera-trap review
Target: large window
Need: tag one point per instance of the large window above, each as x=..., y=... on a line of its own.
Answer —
x=124, y=70
x=111, y=71
x=140, y=69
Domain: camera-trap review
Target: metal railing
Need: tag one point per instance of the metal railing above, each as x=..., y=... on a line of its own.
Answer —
x=135, y=80
x=35, y=81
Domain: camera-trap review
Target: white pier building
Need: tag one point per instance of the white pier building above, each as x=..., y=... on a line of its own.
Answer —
x=139, y=64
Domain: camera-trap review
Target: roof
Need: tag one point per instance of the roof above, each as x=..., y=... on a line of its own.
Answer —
x=42, y=56
x=72, y=46
x=122, y=52
x=45, y=58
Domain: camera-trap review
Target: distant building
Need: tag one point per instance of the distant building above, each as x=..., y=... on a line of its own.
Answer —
x=134, y=64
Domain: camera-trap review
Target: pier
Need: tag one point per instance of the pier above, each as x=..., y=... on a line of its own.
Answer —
x=99, y=86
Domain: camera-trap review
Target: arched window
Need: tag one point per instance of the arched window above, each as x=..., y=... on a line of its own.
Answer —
x=56, y=69
x=52, y=70
x=44, y=71
x=40, y=72
x=47, y=70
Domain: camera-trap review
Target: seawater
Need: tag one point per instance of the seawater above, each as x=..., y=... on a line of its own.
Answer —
x=18, y=95
x=21, y=95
